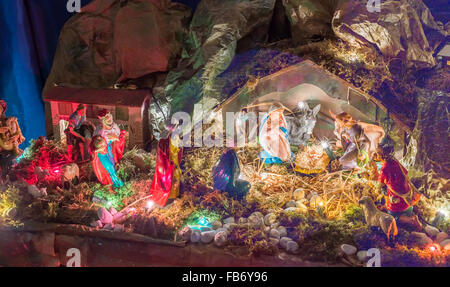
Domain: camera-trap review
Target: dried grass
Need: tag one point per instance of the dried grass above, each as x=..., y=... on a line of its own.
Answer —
x=274, y=187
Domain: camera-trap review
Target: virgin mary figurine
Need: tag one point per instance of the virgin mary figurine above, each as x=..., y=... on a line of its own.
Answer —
x=274, y=137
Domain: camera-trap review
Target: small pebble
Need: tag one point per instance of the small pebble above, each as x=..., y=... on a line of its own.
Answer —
x=421, y=239
x=255, y=221
x=348, y=249
x=431, y=231
x=274, y=233
x=119, y=228
x=207, y=237
x=282, y=230
x=301, y=206
x=362, y=255
x=445, y=244
x=222, y=229
x=291, y=203
x=257, y=214
x=275, y=225
x=284, y=241
x=441, y=236
x=292, y=209
x=242, y=220
x=274, y=241
x=196, y=236
x=228, y=220
x=291, y=247
x=299, y=194
x=220, y=239
x=185, y=233
x=229, y=225
x=216, y=224
x=269, y=219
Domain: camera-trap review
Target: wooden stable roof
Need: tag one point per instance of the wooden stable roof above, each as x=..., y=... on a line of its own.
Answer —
x=309, y=72
x=445, y=52
x=108, y=97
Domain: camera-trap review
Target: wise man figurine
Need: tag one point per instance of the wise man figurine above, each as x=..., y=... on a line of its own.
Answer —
x=109, y=130
x=79, y=135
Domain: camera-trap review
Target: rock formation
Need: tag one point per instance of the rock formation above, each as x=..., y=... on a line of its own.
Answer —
x=112, y=41
x=397, y=31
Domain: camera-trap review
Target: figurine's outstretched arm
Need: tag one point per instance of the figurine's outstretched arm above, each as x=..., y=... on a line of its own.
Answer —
x=72, y=131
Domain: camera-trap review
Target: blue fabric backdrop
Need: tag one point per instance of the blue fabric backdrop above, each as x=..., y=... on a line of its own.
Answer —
x=29, y=35
x=29, y=31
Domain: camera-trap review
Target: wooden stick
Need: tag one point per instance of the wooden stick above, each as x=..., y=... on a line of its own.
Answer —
x=293, y=167
x=261, y=166
x=137, y=201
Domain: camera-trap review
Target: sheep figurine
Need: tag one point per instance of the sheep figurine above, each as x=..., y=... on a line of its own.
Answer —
x=70, y=175
x=41, y=173
x=36, y=192
x=375, y=217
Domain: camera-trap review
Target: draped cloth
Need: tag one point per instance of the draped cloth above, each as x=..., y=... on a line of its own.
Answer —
x=166, y=181
x=104, y=164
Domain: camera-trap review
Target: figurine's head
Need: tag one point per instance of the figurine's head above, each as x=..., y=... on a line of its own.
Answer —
x=366, y=201
x=345, y=119
x=98, y=144
x=386, y=148
x=106, y=118
x=377, y=156
x=81, y=109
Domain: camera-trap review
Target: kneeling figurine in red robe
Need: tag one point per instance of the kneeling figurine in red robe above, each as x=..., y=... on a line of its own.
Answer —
x=395, y=186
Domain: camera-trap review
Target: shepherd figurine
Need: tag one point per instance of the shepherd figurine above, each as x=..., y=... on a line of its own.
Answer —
x=373, y=133
x=79, y=135
x=400, y=194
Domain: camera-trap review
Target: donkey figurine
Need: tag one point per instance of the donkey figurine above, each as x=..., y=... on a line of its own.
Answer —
x=302, y=123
